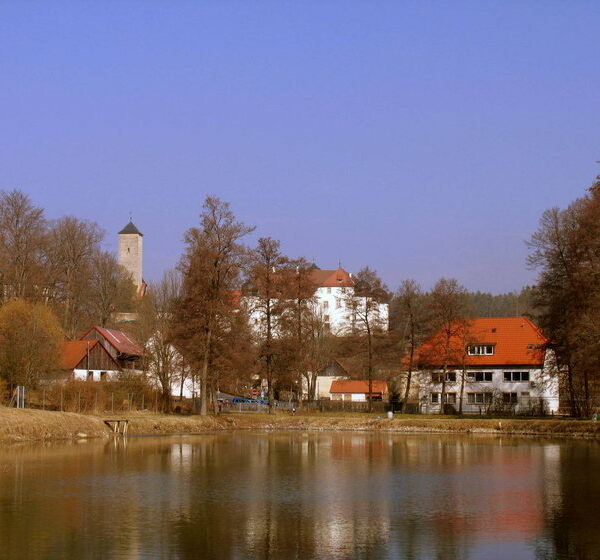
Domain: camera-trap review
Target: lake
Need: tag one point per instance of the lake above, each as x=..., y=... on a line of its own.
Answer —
x=296, y=495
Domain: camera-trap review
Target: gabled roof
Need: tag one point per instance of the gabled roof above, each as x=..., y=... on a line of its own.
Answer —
x=516, y=341
x=361, y=386
x=130, y=228
x=331, y=278
x=73, y=353
x=122, y=342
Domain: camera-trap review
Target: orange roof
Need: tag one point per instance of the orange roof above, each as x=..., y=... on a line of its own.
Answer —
x=234, y=297
x=360, y=386
x=331, y=278
x=516, y=341
x=74, y=351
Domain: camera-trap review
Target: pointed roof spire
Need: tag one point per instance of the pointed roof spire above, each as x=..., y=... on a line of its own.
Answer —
x=130, y=228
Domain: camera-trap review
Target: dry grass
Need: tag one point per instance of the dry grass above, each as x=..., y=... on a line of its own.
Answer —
x=36, y=425
x=39, y=425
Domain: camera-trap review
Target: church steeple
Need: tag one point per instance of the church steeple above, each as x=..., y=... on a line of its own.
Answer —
x=131, y=252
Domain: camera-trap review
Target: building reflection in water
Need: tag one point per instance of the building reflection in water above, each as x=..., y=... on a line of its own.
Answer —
x=336, y=495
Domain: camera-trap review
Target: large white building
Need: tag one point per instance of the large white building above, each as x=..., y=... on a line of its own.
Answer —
x=335, y=303
x=507, y=363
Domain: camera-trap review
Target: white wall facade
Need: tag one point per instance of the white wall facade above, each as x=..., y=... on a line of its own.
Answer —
x=514, y=395
x=94, y=374
x=331, y=305
x=322, y=385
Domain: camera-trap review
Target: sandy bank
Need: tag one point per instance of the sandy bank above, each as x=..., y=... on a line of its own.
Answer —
x=37, y=425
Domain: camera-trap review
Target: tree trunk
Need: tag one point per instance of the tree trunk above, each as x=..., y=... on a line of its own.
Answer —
x=572, y=394
x=443, y=393
x=462, y=389
x=166, y=400
x=587, y=410
x=270, y=392
x=370, y=368
x=408, y=377
x=204, y=375
x=444, y=372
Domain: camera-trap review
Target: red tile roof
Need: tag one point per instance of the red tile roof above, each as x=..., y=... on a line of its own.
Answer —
x=516, y=341
x=123, y=343
x=74, y=351
x=360, y=386
x=331, y=278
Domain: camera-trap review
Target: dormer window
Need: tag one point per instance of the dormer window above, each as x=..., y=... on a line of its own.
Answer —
x=480, y=350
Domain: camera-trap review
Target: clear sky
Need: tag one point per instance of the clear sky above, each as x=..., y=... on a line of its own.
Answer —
x=421, y=138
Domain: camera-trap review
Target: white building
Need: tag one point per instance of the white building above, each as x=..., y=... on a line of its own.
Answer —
x=507, y=364
x=333, y=290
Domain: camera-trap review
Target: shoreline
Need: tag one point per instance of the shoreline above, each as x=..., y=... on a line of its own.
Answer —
x=45, y=426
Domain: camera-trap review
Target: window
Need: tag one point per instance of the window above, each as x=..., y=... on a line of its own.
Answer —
x=338, y=303
x=449, y=398
x=102, y=376
x=509, y=398
x=480, y=350
x=325, y=305
x=516, y=376
x=90, y=376
x=328, y=290
x=326, y=318
x=479, y=376
x=479, y=398
x=437, y=377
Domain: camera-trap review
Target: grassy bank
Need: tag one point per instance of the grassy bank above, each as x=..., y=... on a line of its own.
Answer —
x=37, y=425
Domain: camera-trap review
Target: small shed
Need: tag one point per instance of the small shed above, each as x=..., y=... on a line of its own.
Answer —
x=358, y=390
x=87, y=360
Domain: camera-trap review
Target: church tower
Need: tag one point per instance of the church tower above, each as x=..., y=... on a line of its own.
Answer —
x=131, y=252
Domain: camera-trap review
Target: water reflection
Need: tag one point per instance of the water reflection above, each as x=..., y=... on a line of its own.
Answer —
x=342, y=495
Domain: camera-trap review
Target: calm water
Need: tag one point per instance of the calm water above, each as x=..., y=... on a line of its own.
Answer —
x=302, y=496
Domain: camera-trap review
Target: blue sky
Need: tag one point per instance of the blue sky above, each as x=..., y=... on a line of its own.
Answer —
x=423, y=139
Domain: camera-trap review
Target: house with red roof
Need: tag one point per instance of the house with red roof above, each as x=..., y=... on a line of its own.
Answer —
x=121, y=346
x=87, y=360
x=499, y=363
x=357, y=390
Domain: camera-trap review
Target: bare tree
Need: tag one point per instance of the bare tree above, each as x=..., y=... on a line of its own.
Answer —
x=566, y=251
x=71, y=247
x=22, y=240
x=161, y=359
x=412, y=308
x=367, y=314
x=211, y=268
x=448, y=311
x=300, y=321
x=111, y=287
x=270, y=289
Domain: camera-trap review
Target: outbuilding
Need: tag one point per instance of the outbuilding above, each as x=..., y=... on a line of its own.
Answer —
x=357, y=390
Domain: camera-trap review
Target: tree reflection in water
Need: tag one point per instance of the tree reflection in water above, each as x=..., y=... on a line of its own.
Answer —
x=330, y=495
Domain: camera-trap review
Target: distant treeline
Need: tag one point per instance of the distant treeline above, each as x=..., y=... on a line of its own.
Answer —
x=480, y=304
